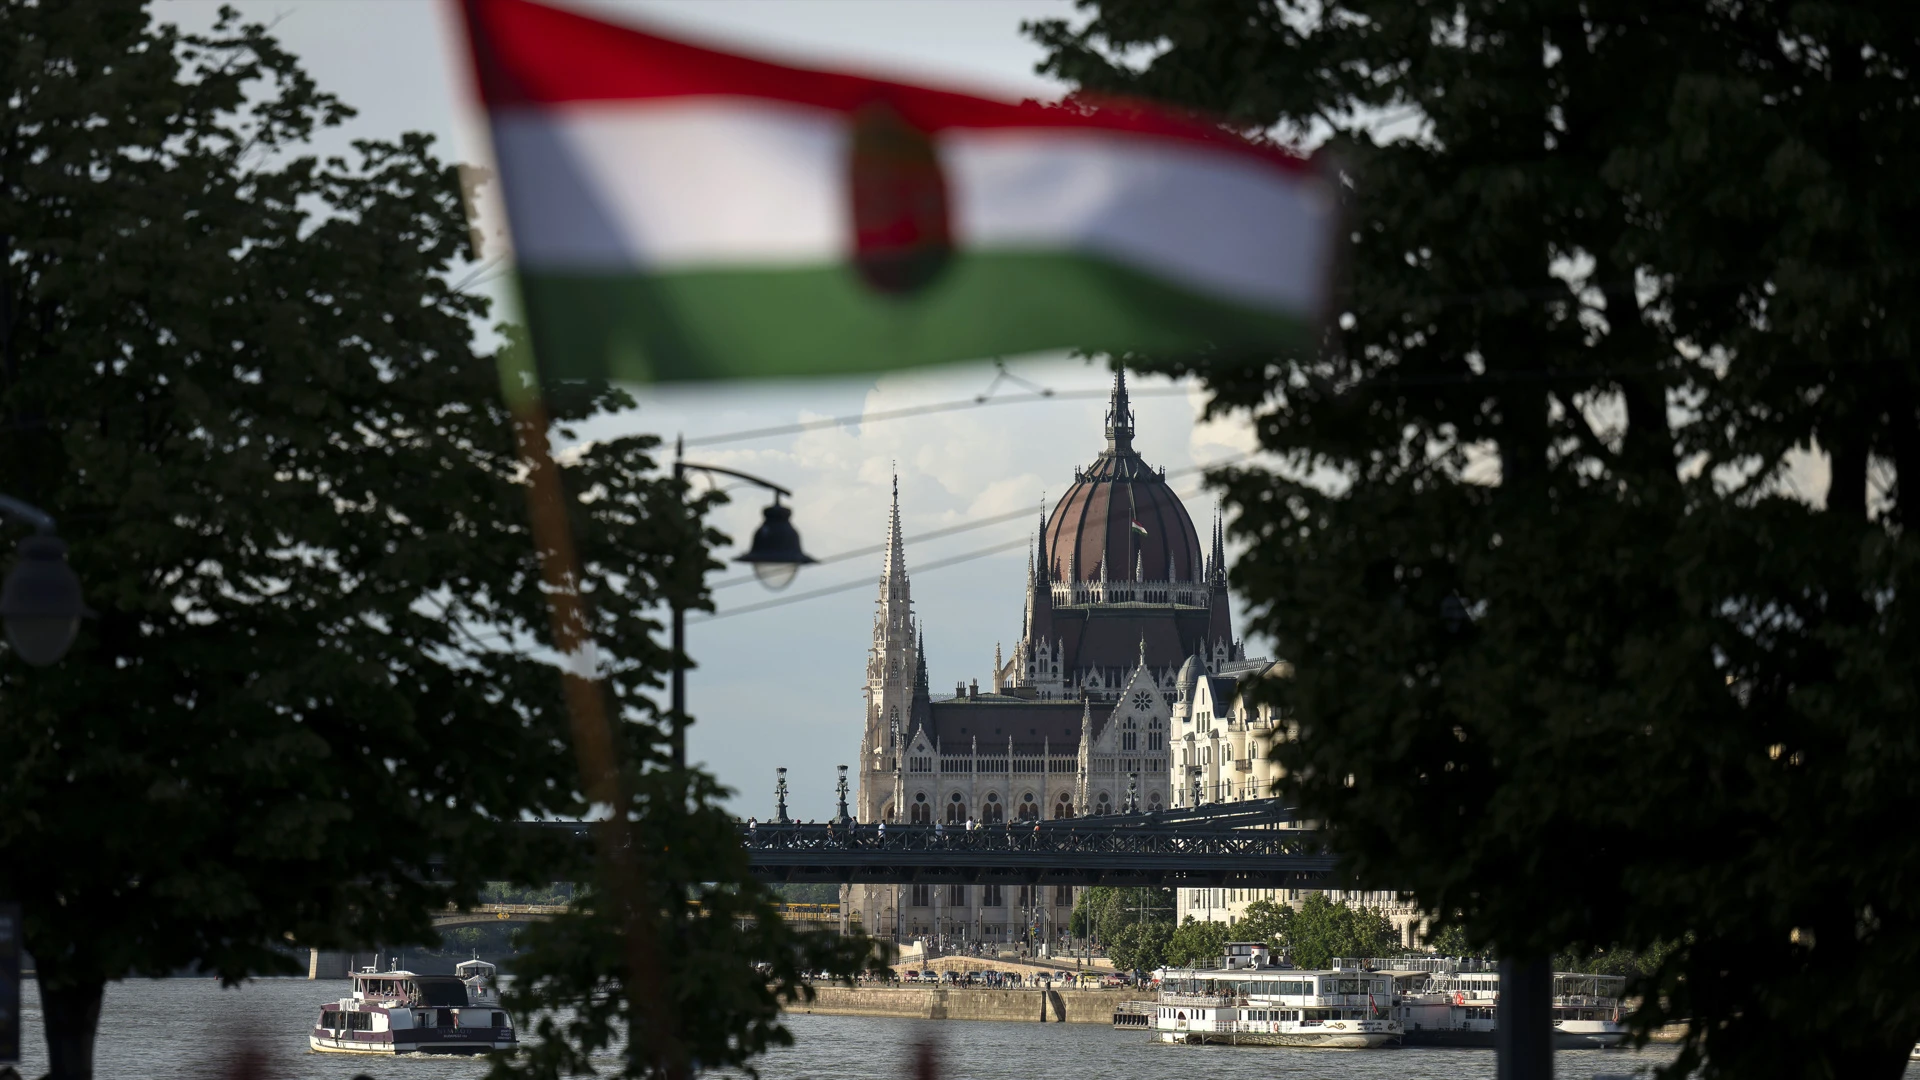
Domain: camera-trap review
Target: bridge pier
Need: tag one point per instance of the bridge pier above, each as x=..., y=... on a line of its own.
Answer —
x=329, y=964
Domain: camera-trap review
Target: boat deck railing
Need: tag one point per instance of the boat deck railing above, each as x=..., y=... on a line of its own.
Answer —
x=1205, y=1001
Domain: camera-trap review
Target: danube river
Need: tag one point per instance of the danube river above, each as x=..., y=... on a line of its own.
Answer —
x=191, y=1027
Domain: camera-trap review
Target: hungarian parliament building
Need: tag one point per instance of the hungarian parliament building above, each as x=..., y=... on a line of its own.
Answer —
x=1123, y=691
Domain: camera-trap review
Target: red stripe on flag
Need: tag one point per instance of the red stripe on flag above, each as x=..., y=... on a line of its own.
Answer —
x=530, y=54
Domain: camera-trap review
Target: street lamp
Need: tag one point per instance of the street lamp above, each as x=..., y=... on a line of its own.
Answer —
x=40, y=602
x=775, y=556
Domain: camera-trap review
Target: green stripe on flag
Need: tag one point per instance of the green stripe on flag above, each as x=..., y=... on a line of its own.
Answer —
x=821, y=319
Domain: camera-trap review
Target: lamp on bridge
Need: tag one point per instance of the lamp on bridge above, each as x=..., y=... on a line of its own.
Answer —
x=40, y=602
x=775, y=556
x=780, y=798
x=841, y=818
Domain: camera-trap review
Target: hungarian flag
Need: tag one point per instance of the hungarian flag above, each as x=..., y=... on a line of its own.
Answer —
x=682, y=213
x=1137, y=527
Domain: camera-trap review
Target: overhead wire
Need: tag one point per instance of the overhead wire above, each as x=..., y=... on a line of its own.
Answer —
x=968, y=526
x=937, y=564
x=974, y=402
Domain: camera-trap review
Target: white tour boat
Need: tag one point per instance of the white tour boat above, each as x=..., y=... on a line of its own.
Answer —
x=1251, y=1002
x=1444, y=1006
x=399, y=1012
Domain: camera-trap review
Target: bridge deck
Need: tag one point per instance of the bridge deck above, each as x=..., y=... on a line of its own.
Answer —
x=1232, y=845
x=1239, y=848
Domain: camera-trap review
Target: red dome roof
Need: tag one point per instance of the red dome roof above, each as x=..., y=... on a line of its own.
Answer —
x=1095, y=519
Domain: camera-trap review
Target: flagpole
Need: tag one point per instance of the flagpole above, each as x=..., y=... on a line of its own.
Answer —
x=653, y=1026
x=621, y=855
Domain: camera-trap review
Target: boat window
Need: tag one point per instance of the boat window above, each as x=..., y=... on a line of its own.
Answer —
x=499, y=1019
x=441, y=990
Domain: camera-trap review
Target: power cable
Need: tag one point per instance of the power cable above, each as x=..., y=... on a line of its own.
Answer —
x=969, y=526
x=937, y=564
x=862, y=583
x=922, y=410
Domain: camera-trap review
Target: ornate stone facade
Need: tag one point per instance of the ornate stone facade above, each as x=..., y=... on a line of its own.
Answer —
x=1080, y=719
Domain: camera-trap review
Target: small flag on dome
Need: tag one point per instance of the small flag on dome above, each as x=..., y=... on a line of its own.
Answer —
x=683, y=213
x=1137, y=527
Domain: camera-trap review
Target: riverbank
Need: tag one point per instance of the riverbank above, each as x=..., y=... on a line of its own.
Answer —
x=966, y=1003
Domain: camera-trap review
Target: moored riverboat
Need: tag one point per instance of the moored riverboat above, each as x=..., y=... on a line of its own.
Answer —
x=399, y=1012
x=1252, y=1002
x=1459, y=1008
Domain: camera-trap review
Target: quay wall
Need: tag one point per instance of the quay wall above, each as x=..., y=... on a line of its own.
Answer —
x=966, y=1003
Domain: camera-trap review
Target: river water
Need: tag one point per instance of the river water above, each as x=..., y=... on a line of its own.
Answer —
x=192, y=1028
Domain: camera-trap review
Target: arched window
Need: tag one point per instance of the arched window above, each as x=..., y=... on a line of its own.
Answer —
x=1063, y=806
x=993, y=812
x=1155, y=740
x=1153, y=802
x=921, y=812
x=1029, y=808
x=956, y=810
x=1129, y=736
x=1103, y=804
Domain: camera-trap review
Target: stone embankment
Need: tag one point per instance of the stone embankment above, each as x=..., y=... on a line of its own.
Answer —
x=966, y=1003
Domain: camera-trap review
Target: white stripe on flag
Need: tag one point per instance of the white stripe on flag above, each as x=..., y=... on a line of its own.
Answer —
x=1214, y=220
x=704, y=182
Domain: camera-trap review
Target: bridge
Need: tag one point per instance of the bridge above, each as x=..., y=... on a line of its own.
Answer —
x=492, y=913
x=1231, y=845
x=1243, y=845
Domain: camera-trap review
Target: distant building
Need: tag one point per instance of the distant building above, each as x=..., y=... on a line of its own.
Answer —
x=1120, y=597
x=1223, y=752
x=1122, y=690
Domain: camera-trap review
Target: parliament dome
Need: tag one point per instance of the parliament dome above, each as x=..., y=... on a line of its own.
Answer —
x=1094, y=521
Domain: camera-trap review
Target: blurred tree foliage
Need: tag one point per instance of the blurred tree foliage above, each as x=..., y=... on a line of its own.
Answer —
x=243, y=382
x=1198, y=944
x=1323, y=929
x=1103, y=911
x=1583, y=658
x=1141, y=946
x=803, y=892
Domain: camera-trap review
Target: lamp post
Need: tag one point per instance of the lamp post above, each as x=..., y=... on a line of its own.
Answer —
x=40, y=602
x=775, y=556
x=780, y=797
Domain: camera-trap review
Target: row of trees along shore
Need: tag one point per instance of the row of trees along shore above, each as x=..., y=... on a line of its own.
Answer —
x=1584, y=526
x=1138, y=931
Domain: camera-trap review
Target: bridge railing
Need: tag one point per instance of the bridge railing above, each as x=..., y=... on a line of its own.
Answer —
x=1085, y=839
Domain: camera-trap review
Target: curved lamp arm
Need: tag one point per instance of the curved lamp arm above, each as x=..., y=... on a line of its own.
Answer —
x=26, y=514
x=681, y=468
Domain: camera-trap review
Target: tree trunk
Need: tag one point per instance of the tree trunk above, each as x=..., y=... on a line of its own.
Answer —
x=70, y=1012
x=1523, y=1028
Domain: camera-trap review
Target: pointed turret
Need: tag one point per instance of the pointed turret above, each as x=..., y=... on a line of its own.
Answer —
x=1119, y=416
x=891, y=669
x=893, y=571
x=1219, y=575
x=921, y=710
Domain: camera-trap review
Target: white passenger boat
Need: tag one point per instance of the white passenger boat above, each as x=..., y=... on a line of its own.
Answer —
x=399, y=1012
x=1458, y=1008
x=1251, y=1002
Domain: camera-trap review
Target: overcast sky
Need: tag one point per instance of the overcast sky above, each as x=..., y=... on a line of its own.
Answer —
x=782, y=686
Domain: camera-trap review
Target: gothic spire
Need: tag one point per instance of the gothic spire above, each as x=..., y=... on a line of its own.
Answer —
x=893, y=576
x=1219, y=548
x=1119, y=416
x=1040, y=546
